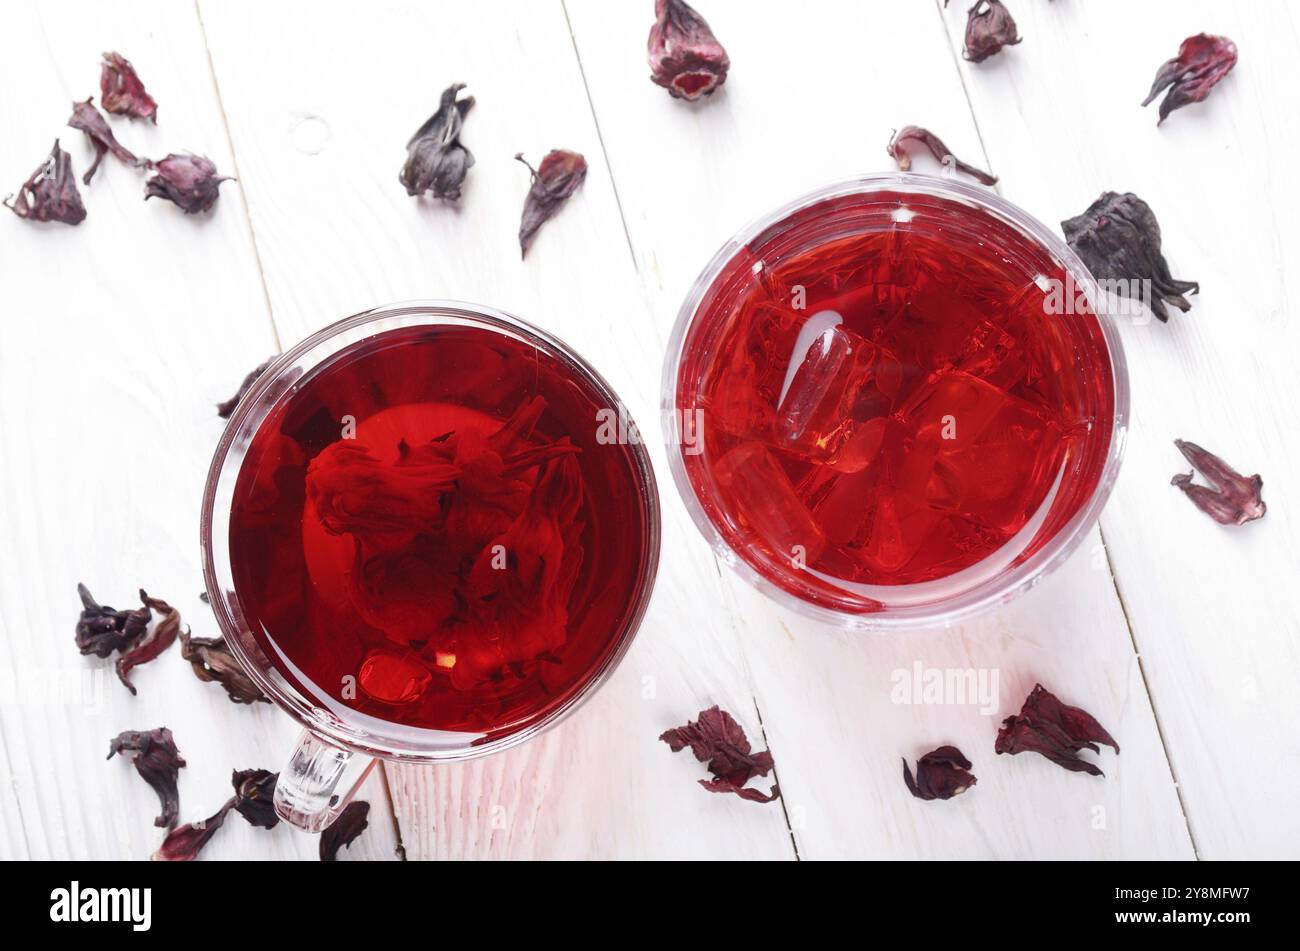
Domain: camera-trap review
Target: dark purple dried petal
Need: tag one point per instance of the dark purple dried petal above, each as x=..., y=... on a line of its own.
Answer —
x=151, y=646
x=940, y=774
x=436, y=162
x=253, y=799
x=914, y=135
x=744, y=792
x=685, y=57
x=340, y=833
x=190, y=181
x=255, y=796
x=51, y=193
x=225, y=409
x=184, y=843
x=1233, y=500
x=1201, y=62
x=121, y=91
x=1118, y=238
x=1054, y=730
x=558, y=177
x=989, y=27
x=101, y=630
x=212, y=661
x=92, y=122
x=717, y=739
x=158, y=762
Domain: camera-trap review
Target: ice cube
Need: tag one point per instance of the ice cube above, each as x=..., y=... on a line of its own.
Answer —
x=900, y=525
x=744, y=399
x=1003, y=466
x=845, y=508
x=831, y=409
x=804, y=384
x=764, y=499
x=879, y=516
x=821, y=350
x=984, y=450
x=957, y=404
x=993, y=355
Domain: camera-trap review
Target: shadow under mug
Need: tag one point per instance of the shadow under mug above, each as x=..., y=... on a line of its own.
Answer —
x=338, y=746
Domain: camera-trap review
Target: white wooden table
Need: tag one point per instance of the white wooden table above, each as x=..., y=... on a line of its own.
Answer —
x=118, y=336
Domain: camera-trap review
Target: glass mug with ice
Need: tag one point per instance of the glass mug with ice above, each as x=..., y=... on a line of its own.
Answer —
x=893, y=403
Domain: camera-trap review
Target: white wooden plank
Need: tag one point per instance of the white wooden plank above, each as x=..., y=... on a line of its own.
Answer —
x=813, y=98
x=1214, y=610
x=337, y=233
x=13, y=835
x=116, y=339
x=839, y=757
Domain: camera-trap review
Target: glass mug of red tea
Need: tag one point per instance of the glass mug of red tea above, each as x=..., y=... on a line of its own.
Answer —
x=892, y=402
x=421, y=543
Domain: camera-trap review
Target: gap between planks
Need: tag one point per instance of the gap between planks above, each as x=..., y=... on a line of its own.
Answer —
x=275, y=332
x=1155, y=711
x=600, y=137
x=627, y=233
x=1110, y=565
x=961, y=78
x=239, y=179
x=776, y=781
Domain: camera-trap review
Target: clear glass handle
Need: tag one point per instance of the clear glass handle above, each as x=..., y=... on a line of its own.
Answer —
x=305, y=794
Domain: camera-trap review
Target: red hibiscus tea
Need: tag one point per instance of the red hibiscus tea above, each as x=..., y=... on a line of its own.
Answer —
x=895, y=397
x=433, y=530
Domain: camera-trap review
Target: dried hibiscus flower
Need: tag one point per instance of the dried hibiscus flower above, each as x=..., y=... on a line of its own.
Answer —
x=226, y=408
x=189, y=181
x=520, y=617
x=940, y=774
x=989, y=27
x=442, y=510
x=717, y=739
x=92, y=122
x=912, y=135
x=153, y=644
x=121, y=91
x=1047, y=726
x=554, y=181
x=1201, y=62
x=436, y=162
x=685, y=57
x=101, y=630
x=254, y=789
x=1233, y=500
x=184, y=843
x=158, y=762
x=51, y=193
x=255, y=796
x=340, y=833
x=212, y=661
x=1118, y=238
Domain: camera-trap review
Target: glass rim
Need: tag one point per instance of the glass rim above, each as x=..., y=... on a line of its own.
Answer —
x=398, y=742
x=1001, y=588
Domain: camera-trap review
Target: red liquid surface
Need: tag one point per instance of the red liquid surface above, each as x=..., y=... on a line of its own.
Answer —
x=883, y=399
x=466, y=558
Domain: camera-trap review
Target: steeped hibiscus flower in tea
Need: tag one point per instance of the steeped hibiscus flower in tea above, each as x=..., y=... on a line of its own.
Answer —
x=890, y=396
x=437, y=528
